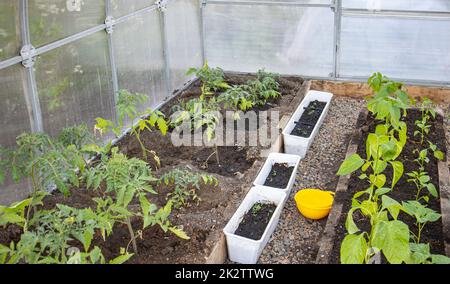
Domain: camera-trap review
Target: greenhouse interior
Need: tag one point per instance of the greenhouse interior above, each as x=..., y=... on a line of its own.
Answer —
x=225, y=132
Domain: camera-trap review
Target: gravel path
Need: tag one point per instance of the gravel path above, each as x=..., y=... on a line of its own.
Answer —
x=295, y=239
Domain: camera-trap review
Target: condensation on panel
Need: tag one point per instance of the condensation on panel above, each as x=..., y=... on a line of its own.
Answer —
x=14, y=120
x=410, y=5
x=122, y=7
x=74, y=83
x=288, y=40
x=138, y=49
x=51, y=20
x=184, y=39
x=402, y=48
x=9, y=29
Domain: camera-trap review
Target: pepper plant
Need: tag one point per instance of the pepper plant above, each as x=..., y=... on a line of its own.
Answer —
x=422, y=214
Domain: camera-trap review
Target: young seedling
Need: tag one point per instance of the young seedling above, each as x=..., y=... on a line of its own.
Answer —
x=186, y=184
x=422, y=214
x=263, y=88
x=421, y=254
x=212, y=79
x=128, y=110
x=52, y=236
x=199, y=114
x=127, y=179
x=236, y=98
x=256, y=208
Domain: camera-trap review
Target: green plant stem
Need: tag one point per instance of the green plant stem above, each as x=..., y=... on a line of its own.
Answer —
x=133, y=238
x=420, y=228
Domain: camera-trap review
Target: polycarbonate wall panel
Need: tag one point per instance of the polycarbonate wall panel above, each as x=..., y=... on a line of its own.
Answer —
x=9, y=29
x=183, y=39
x=51, y=20
x=14, y=120
x=407, y=48
x=14, y=114
x=411, y=5
x=279, y=1
x=123, y=7
x=284, y=39
x=138, y=49
x=74, y=83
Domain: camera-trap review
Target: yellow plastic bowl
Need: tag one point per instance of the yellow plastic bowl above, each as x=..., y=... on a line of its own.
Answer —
x=314, y=203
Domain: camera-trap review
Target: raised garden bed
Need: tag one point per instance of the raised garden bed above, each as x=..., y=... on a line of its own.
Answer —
x=434, y=233
x=203, y=223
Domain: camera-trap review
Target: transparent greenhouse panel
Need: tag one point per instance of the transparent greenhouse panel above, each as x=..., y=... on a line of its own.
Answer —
x=410, y=5
x=138, y=49
x=121, y=7
x=288, y=40
x=408, y=48
x=184, y=39
x=275, y=1
x=51, y=20
x=14, y=120
x=9, y=29
x=74, y=84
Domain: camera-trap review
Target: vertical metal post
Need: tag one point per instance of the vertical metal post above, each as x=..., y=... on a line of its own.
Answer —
x=162, y=20
x=27, y=52
x=202, y=29
x=112, y=61
x=337, y=37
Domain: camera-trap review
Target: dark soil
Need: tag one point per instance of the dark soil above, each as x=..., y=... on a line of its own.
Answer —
x=279, y=175
x=231, y=163
x=204, y=220
x=305, y=125
x=255, y=221
x=403, y=191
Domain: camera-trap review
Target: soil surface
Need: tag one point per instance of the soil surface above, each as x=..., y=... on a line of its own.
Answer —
x=311, y=114
x=203, y=221
x=404, y=191
x=255, y=221
x=279, y=175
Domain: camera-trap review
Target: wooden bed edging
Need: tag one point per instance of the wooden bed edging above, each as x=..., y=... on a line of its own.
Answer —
x=219, y=253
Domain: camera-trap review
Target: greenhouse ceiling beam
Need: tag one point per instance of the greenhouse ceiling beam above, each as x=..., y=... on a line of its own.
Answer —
x=396, y=13
x=269, y=3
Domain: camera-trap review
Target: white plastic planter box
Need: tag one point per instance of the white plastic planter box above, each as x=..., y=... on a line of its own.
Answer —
x=273, y=158
x=244, y=250
x=299, y=145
